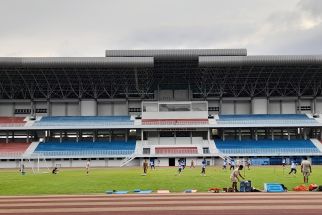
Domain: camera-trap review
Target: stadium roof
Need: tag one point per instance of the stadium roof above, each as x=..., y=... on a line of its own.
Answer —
x=175, y=53
x=139, y=73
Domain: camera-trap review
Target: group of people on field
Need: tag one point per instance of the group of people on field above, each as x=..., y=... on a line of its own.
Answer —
x=306, y=169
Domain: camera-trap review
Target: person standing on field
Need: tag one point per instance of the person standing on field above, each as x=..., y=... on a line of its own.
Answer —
x=306, y=170
x=88, y=163
x=234, y=177
x=192, y=165
x=203, y=167
x=145, y=167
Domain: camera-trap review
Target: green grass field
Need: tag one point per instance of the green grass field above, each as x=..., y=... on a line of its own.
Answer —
x=75, y=181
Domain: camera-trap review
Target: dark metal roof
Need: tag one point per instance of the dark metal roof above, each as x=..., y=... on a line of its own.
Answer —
x=176, y=53
x=77, y=61
x=211, y=61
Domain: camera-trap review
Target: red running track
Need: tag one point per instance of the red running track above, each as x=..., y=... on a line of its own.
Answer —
x=174, y=204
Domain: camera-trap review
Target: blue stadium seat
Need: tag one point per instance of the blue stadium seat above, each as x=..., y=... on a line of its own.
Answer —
x=266, y=119
x=54, y=148
x=83, y=120
x=268, y=147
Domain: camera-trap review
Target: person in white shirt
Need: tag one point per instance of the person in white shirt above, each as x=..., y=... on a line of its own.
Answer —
x=87, y=166
x=224, y=165
x=232, y=165
x=293, y=168
x=306, y=169
x=234, y=177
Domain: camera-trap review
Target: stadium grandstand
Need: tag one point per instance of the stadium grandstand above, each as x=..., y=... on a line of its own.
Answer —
x=162, y=105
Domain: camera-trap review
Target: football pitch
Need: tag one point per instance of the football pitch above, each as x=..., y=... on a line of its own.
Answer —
x=75, y=181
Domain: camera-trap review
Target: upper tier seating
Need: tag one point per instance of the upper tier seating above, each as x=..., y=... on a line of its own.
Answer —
x=176, y=150
x=266, y=147
x=265, y=119
x=13, y=147
x=54, y=148
x=174, y=121
x=11, y=121
x=83, y=120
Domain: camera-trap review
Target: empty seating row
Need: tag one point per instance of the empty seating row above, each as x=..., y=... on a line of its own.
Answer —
x=176, y=150
x=53, y=148
x=265, y=118
x=13, y=147
x=84, y=120
x=268, y=147
x=174, y=121
x=11, y=121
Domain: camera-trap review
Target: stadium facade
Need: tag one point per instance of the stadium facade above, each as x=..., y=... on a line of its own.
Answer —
x=160, y=104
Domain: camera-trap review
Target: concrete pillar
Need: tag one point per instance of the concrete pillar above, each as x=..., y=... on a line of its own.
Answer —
x=267, y=106
x=239, y=134
x=281, y=107
x=126, y=135
x=223, y=134
x=48, y=107
x=7, y=136
x=142, y=135
x=94, y=135
x=256, y=134
x=77, y=136
x=27, y=139
x=251, y=106
x=190, y=137
x=220, y=105
x=314, y=106
x=111, y=133
x=235, y=107
x=298, y=105
x=288, y=134
x=272, y=133
x=60, y=136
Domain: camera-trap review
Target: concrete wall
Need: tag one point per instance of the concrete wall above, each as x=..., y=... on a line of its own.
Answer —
x=243, y=107
x=259, y=106
x=181, y=95
x=88, y=108
x=289, y=107
x=318, y=107
x=227, y=107
x=105, y=109
x=6, y=109
x=274, y=107
x=58, y=109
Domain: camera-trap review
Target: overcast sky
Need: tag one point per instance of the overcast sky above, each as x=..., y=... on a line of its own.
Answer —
x=87, y=28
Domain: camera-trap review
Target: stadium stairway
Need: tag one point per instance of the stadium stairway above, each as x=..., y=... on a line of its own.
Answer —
x=32, y=147
x=317, y=144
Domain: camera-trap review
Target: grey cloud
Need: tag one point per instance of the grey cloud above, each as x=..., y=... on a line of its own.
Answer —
x=87, y=28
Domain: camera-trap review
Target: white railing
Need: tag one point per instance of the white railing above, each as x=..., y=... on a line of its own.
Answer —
x=128, y=159
x=272, y=151
x=85, y=153
x=12, y=124
x=175, y=122
x=11, y=154
x=309, y=121
x=176, y=151
x=81, y=123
